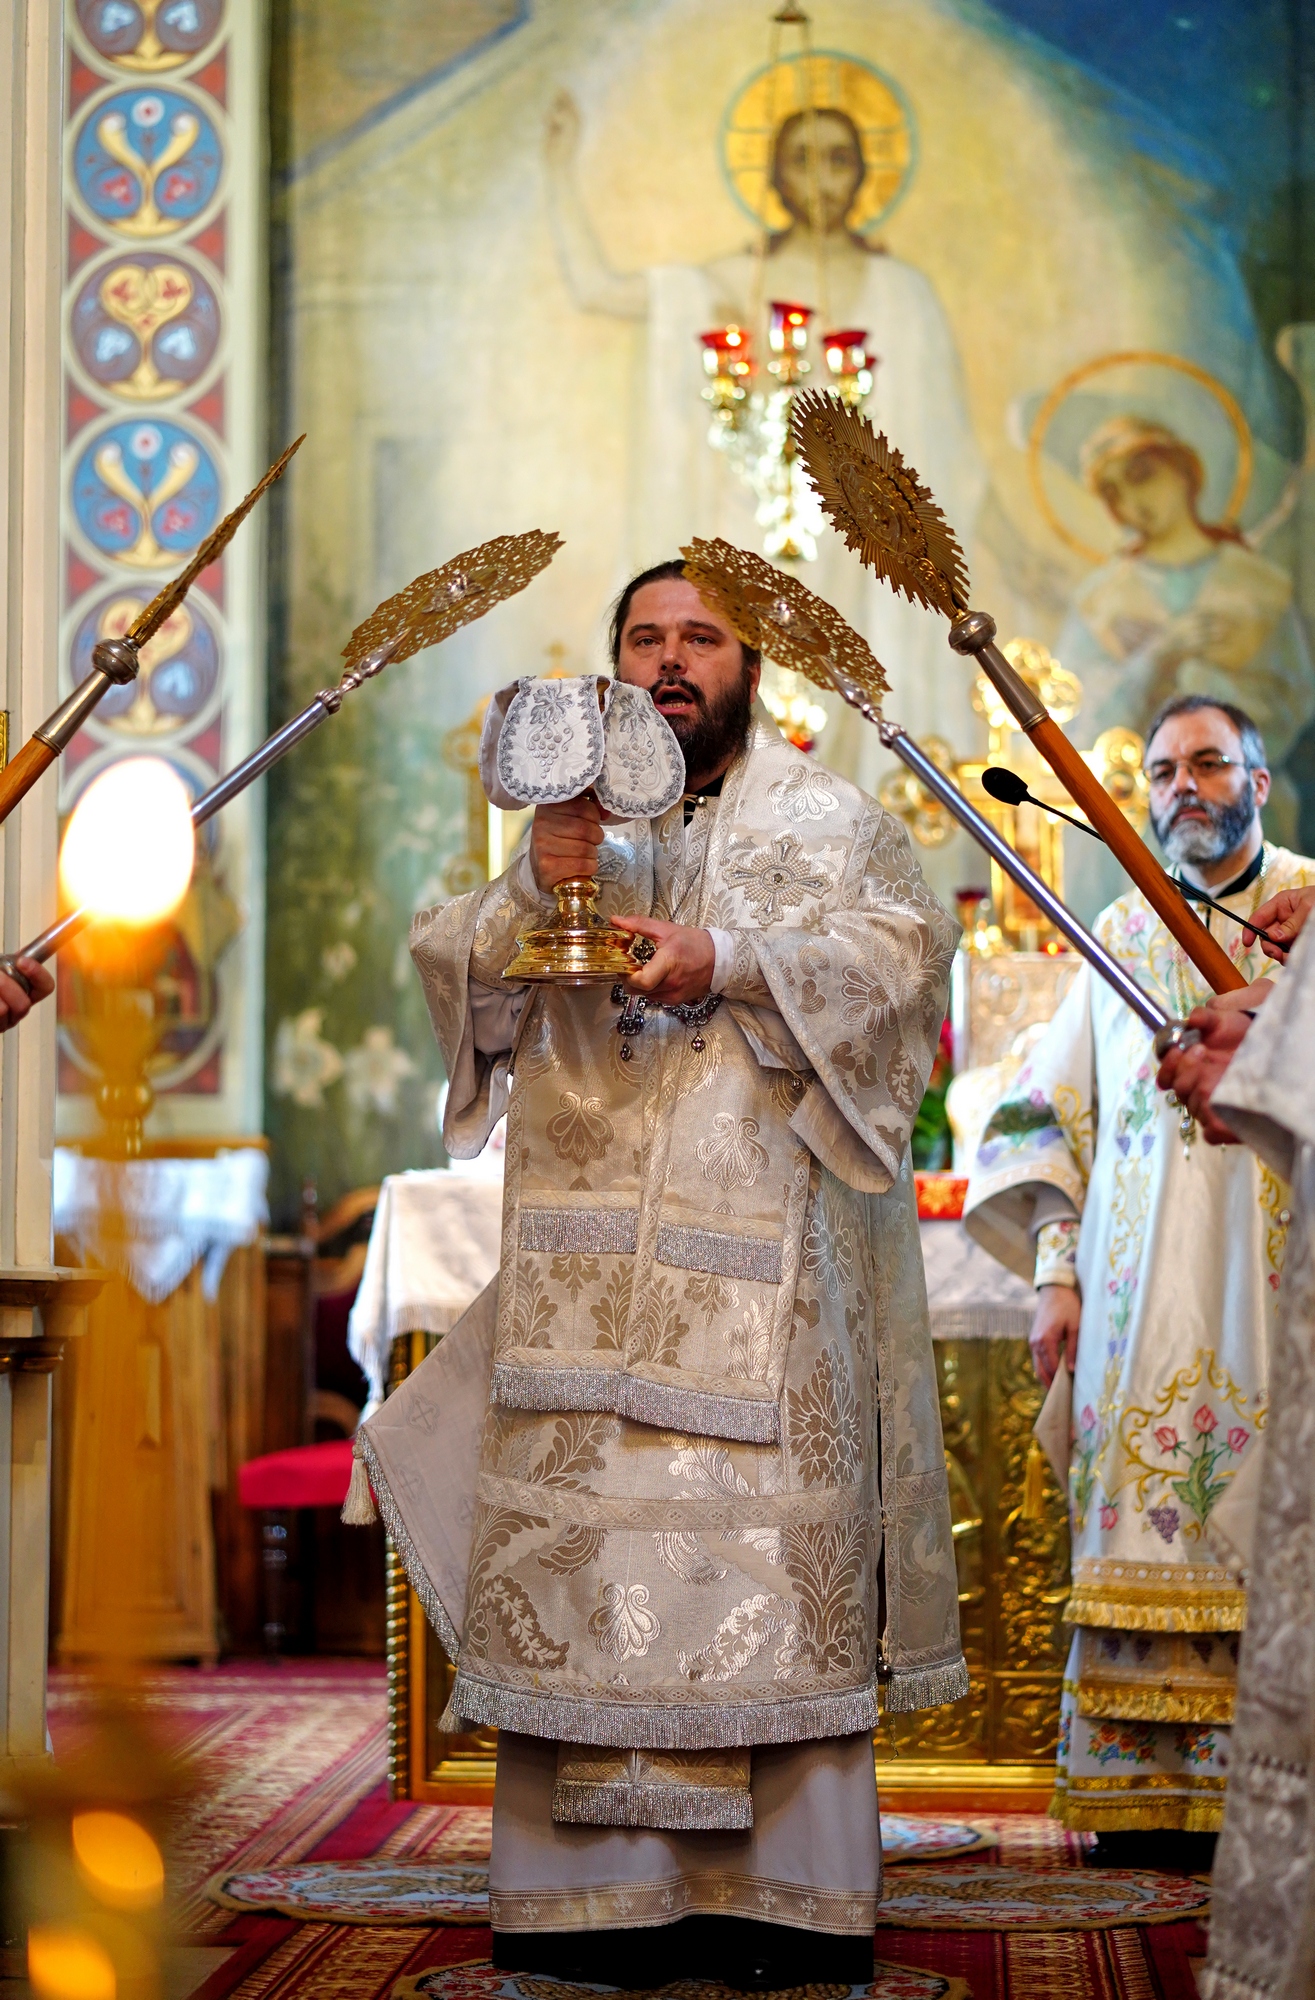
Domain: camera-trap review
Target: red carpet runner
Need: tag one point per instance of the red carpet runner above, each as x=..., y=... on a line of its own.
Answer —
x=292, y=1760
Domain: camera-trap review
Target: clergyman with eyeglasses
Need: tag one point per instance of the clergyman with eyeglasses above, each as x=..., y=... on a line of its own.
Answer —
x=1156, y=1259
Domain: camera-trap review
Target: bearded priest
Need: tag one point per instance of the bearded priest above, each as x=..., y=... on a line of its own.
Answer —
x=1156, y=1260
x=674, y=1492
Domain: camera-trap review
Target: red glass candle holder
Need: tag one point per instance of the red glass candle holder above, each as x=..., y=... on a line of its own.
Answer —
x=787, y=336
x=851, y=366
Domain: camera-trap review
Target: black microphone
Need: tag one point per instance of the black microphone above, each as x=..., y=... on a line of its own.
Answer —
x=1009, y=789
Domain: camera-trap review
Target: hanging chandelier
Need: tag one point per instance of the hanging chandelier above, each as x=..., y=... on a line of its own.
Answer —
x=751, y=418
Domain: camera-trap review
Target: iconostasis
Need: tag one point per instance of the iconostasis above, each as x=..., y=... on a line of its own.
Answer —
x=499, y=232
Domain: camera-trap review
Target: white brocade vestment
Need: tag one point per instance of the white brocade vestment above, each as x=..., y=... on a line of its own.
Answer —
x=708, y=1511
x=1262, y=1925
x=1178, y=1263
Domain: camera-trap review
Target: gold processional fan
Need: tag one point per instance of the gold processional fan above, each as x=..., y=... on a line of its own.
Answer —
x=114, y=662
x=428, y=611
x=895, y=527
x=777, y=615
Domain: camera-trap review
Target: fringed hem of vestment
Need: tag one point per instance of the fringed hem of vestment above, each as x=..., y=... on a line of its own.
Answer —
x=1225, y=1982
x=1167, y=1611
x=1136, y=1815
x=1180, y=1817
x=699, y=1724
x=417, y=1575
x=669, y=1808
x=911, y=1688
x=1126, y=1702
x=697, y=1412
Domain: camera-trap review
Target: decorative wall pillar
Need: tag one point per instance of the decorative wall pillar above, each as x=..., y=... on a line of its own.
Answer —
x=30, y=79
x=162, y=433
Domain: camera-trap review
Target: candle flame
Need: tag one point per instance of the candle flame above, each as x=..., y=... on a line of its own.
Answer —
x=68, y=1964
x=129, y=846
x=119, y=1859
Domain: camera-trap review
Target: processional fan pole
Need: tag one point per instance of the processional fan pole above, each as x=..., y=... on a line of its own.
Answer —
x=428, y=611
x=897, y=530
x=777, y=615
x=114, y=662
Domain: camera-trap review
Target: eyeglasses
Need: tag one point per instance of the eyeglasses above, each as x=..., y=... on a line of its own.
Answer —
x=1204, y=764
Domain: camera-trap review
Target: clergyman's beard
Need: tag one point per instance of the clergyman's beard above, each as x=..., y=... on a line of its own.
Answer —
x=1195, y=840
x=710, y=732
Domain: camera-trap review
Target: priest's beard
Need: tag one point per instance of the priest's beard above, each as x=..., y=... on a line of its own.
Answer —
x=710, y=733
x=1209, y=839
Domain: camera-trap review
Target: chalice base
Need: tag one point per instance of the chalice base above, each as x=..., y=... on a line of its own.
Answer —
x=578, y=948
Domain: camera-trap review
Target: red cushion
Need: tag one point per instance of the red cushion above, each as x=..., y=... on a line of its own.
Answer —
x=308, y=1475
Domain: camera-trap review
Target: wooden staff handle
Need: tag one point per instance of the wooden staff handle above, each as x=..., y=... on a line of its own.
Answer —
x=1086, y=790
x=22, y=772
x=973, y=632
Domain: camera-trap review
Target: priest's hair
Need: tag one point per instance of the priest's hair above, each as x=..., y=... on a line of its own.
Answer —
x=1253, y=743
x=663, y=572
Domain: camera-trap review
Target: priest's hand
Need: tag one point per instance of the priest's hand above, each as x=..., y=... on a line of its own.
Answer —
x=681, y=969
x=1242, y=999
x=14, y=1003
x=1283, y=916
x=1055, y=1329
x=565, y=840
x=1193, y=1074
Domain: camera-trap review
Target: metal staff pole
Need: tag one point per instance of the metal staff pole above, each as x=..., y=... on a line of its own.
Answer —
x=327, y=702
x=114, y=662
x=429, y=610
x=998, y=848
x=876, y=501
x=897, y=739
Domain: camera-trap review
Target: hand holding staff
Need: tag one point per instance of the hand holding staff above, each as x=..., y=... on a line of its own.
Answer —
x=114, y=661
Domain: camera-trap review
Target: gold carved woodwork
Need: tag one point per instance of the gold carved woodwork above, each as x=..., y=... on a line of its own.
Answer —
x=995, y=997
x=425, y=1762
x=1013, y=1583
x=1013, y=1574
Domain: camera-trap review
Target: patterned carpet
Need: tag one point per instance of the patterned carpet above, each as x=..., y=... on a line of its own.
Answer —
x=293, y=1762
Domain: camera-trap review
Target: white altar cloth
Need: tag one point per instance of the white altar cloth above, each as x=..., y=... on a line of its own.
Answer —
x=433, y=1247
x=154, y=1220
x=436, y=1239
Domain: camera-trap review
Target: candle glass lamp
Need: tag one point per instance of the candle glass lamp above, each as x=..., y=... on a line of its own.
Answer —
x=728, y=364
x=127, y=857
x=787, y=337
x=851, y=367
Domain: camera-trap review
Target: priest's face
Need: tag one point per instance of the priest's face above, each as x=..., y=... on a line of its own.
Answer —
x=694, y=667
x=1204, y=801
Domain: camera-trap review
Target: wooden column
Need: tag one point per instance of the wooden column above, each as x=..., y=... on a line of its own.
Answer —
x=140, y=1556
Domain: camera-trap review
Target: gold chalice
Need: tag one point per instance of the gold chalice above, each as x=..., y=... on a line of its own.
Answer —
x=579, y=947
